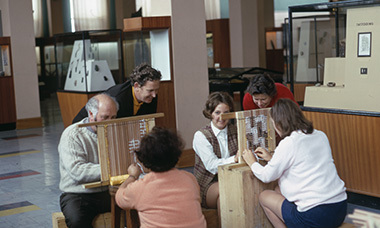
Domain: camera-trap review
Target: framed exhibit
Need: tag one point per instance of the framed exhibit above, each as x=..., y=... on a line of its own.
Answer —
x=5, y=66
x=364, y=44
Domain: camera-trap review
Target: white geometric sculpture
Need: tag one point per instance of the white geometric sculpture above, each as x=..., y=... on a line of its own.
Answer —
x=97, y=73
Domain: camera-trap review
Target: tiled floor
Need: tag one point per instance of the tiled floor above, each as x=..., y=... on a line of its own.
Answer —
x=29, y=173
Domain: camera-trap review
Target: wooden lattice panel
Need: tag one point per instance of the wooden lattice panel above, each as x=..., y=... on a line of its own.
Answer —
x=117, y=142
x=255, y=129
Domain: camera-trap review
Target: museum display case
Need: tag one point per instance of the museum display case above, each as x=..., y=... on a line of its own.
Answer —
x=80, y=56
x=148, y=39
x=274, y=49
x=313, y=38
x=46, y=66
x=87, y=62
x=218, y=43
x=340, y=52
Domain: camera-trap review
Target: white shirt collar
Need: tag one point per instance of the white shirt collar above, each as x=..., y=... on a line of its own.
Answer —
x=217, y=131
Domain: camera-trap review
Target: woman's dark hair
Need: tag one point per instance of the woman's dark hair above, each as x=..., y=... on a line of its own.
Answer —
x=160, y=149
x=214, y=99
x=288, y=117
x=262, y=84
x=143, y=73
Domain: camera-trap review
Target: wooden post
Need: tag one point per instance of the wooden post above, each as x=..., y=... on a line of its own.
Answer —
x=239, y=193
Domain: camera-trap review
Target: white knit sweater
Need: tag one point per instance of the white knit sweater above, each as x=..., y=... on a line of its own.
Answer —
x=305, y=170
x=78, y=159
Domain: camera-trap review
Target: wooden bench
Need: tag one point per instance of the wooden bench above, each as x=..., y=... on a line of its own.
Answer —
x=100, y=221
x=347, y=225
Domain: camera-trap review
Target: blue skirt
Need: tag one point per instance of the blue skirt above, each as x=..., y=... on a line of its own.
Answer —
x=325, y=215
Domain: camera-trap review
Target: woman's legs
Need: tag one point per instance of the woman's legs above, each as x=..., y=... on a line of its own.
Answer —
x=212, y=199
x=271, y=202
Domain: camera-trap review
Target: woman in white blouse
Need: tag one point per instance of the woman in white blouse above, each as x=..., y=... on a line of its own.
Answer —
x=310, y=192
x=215, y=144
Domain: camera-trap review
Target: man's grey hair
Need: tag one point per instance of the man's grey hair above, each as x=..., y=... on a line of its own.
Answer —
x=93, y=104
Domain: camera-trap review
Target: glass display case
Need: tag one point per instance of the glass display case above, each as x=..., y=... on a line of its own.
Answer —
x=89, y=61
x=46, y=66
x=148, y=46
x=274, y=51
x=137, y=48
x=344, y=103
x=147, y=39
x=313, y=38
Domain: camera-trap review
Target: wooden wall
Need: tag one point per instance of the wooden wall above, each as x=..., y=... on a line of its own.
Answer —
x=70, y=103
x=166, y=105
x=355, y=144
x=7, y=100
x=299, y=91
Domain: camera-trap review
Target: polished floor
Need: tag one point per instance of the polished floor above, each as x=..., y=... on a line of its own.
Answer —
x=29, y=174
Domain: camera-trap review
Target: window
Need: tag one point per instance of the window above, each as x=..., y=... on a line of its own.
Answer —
x=89, y=15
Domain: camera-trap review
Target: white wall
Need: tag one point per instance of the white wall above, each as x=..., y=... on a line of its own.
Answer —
x=17, y=21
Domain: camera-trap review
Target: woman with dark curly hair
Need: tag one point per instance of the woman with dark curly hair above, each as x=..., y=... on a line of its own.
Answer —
x=310, y=193
x=263, y=92
x=166, y=196
x=215, y=144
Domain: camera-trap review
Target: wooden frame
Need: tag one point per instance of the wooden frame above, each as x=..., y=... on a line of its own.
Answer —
x=364, y=44
x=239, y=204
x=116, y=153
x=256, y=125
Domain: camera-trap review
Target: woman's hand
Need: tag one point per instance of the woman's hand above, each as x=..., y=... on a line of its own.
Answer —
x=263, y=153
x=248, y=157
x=134, y=170
x=236, y=158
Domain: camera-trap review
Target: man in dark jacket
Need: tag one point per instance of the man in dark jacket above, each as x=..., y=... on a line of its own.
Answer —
x=136, y=96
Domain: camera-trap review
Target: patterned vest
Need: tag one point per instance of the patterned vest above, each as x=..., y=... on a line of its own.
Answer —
x=204, y=177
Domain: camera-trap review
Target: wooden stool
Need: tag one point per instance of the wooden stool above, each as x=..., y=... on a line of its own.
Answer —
x=211, y=216
x=239, y=193
x=100, y=221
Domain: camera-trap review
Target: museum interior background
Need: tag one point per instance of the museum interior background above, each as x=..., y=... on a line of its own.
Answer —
x=200, y=46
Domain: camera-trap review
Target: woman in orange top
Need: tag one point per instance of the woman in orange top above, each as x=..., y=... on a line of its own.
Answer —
x=165, y=197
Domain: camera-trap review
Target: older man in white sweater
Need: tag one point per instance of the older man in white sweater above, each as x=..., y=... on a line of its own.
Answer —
x=79, y=164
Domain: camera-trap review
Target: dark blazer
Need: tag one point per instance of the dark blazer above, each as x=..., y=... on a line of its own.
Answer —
x=123, y=95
